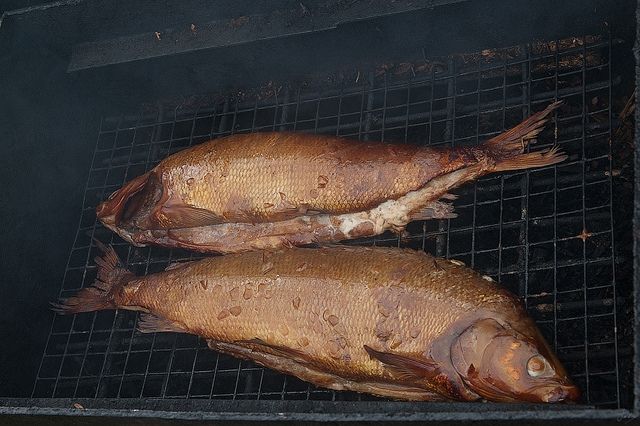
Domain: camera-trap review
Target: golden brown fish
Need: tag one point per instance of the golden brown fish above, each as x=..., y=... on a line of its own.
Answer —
x=269, y=190
x=391, y=322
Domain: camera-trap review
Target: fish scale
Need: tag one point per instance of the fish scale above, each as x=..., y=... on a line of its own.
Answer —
x=277, y=189
x=339, y=280
x=319, y=178
x=388, y=321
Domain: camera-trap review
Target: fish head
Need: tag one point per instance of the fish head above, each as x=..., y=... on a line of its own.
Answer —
x=501, y=364
x=128, y=209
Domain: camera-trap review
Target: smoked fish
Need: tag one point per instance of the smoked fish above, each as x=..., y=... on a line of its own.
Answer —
x=391, y=322
x=271, y=190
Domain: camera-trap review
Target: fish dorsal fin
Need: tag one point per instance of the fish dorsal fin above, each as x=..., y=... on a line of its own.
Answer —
x=176, y=265
x=149, y=323
x=405, y=368
x=184, y=216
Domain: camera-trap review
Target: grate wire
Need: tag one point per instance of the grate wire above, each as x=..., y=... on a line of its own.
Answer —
x=545, y=234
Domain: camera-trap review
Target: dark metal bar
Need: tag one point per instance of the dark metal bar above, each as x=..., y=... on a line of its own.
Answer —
x=195, y=357
x=475, y=184
x=128, y=257
x=555, y=218
x=285, y=110
x=613, y=244
x=502, y=126
x=104, y=363
x=146, y=271
x=165, y=382
x=295, y=120
x=584, y=249
x=523, y=238
x=382, y=130
x=84, y=203
x=223, y=116
x=429, y=140
x=442, y=244
x=368, y=115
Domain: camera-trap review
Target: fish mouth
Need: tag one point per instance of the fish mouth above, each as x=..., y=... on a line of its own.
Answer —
x=122, y=233
x=557, y=393
x=549, y=392
x=110, y=211
x=542, y=394
x=110, y=219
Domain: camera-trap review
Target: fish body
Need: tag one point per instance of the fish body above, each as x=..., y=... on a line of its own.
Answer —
x=391, y=322
x=264, y=177
x=266, y=188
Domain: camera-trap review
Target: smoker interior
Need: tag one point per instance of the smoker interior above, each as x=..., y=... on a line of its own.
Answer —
x=546, y=234
x=556, y=236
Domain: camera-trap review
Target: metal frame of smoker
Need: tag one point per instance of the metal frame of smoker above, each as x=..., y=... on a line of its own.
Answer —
x=329, y=411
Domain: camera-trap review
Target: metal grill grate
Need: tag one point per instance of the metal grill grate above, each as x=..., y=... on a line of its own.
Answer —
x=545, y=234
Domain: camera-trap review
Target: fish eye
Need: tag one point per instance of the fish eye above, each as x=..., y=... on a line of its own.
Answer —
x=536, y=366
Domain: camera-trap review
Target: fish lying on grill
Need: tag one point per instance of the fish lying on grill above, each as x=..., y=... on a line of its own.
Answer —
x=391, y=322
x=271, y=190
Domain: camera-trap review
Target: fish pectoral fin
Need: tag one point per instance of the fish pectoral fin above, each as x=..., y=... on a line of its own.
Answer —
x=149, y=323
x=403, y=367
x=280, y=350
x=184, y=216
x=320, y=377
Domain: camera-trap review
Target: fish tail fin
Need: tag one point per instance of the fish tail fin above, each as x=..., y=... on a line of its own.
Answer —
x=530, y=160
x=507, y=150
x=100, y=296
x=516, y=139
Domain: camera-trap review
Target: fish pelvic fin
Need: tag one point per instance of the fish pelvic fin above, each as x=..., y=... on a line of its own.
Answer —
x=149, y=323
x=516, y=139
x=286, y=352
x=100, y=296
x=434, y=210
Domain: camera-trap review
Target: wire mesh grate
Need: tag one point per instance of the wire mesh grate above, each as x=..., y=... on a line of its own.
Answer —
x=545, y=234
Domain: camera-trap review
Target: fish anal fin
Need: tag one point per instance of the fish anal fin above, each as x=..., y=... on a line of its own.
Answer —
x=285, y=211
x=149, y=323
x=434, y=210
x=184, y=216
x=405, y=368
x=280, y=350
